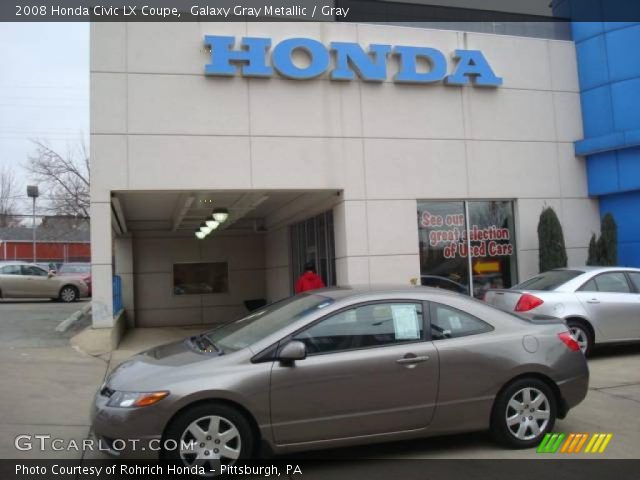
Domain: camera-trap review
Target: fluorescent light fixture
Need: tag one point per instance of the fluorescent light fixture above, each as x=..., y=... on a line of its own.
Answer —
x=212, y=224
x=220, y=214
x=204, y=228
x=200, y=235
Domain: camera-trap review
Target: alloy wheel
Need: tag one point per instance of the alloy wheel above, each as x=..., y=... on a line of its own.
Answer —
x=210, y=440
x=68, y=294
x=580, y=336
x=528, y=413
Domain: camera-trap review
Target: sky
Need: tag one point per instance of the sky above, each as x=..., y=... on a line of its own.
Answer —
x=44, y=90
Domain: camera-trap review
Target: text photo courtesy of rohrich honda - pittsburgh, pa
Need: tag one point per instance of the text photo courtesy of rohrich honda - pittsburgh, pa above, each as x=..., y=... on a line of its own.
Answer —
x=320, y=239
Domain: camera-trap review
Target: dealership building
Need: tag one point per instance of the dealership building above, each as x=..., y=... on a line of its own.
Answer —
x=385, y=154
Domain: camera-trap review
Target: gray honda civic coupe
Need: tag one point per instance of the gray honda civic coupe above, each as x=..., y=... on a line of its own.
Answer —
x=341, y=367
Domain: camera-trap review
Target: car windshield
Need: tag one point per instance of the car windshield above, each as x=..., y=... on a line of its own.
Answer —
x=67, y=268
x=548, y=280
x=265, y=321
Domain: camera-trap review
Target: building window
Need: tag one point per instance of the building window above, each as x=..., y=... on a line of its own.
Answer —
x=312, y=241
x=445, y=244
x=200, y=278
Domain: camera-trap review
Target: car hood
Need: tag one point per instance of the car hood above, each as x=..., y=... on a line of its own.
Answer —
x=159, y=366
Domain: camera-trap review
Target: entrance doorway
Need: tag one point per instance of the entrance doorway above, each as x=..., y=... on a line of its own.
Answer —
x=312, y=240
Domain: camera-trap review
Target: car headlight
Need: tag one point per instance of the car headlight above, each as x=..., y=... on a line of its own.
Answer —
x=135, y=399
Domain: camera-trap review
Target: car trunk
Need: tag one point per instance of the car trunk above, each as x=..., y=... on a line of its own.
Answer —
x=503, y=299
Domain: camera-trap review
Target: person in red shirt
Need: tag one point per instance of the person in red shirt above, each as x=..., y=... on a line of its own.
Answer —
x=309, y=280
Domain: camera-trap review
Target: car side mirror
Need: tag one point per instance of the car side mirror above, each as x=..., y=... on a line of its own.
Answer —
x=292, y=351
x=51, y=274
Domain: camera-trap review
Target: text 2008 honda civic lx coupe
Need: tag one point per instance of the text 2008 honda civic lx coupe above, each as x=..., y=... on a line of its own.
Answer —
x=343, y=367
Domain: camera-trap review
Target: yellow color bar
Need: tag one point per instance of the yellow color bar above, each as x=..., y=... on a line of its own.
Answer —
x=591, y=442
x=605, y=443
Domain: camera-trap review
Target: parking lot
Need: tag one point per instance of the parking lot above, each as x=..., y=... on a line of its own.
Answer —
x=48, y=387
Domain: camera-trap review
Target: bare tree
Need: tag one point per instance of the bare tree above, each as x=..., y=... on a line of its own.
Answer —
x=65, y=178
x=8, y=194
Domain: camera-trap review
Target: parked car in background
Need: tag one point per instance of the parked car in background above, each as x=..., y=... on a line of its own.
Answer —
x=445, y=283
x=599, y=304
x=28, y=280
x=339, y=367
x=82, y=270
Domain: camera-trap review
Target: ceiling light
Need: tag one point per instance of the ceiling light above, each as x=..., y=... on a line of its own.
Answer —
x=200, y=235
x=220, y=214
x=212, y=224
x=204, y=228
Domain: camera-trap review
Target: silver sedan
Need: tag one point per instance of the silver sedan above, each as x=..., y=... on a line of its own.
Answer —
x=599, y=304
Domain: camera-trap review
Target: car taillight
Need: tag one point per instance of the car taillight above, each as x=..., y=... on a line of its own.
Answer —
x=528, y=302
x=569, y=341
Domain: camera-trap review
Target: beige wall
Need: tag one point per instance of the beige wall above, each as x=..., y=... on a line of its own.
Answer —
x=153, y=262
x=381, y=145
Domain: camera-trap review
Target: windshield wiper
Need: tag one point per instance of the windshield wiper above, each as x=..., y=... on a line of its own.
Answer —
x=203, y=343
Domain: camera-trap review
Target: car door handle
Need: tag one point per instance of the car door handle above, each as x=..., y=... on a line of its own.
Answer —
x=593, y=300
x=412, y=360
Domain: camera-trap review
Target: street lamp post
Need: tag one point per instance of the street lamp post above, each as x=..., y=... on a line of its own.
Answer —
x=32, y=192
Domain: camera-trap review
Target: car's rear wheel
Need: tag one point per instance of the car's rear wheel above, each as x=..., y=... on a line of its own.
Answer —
x=582, y=335
x=523, y=413
x=209, y=434
x=69, y=294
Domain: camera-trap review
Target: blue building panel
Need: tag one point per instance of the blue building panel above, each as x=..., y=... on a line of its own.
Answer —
x=593, y=73
x=602, y=173
x=625, y=99
x=625, y=208
x=629, y=170
x=597, y=116
x=584, y=30
x=608, y=55
x=623, y=63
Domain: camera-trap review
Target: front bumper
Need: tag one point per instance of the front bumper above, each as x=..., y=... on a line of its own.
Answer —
x=127, y=433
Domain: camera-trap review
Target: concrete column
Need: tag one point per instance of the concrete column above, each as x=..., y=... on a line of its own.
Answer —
x=101, y=265
x=352, y=244
x=376, y=242
x=123, y=262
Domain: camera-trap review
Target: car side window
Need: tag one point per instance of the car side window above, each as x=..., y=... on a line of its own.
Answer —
x=372, y=325
x=590, y=286
x=34, y=271
x=10, y=270
x=614, y=282
x=449, y=322
x=635, y=278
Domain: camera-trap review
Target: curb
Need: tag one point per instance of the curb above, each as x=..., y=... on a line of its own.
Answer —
x=68, y=322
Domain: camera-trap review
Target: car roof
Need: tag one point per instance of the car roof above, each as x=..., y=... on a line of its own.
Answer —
x=594, y=268
x=349, y=291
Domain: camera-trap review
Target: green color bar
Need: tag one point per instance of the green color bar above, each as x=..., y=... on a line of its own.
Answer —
x=543, y=444
x=558, y=443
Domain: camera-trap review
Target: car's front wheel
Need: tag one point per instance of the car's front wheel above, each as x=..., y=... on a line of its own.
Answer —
x=208, y=434
x=523, y=413
x=69, y=294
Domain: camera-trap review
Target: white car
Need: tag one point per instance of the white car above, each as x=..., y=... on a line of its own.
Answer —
x=28, y=280
x=599, y=304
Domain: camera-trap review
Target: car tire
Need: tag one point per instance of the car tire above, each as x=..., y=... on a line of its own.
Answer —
x=523, y=413
x=224, y=435
x=68, y=294
x=582, y=334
